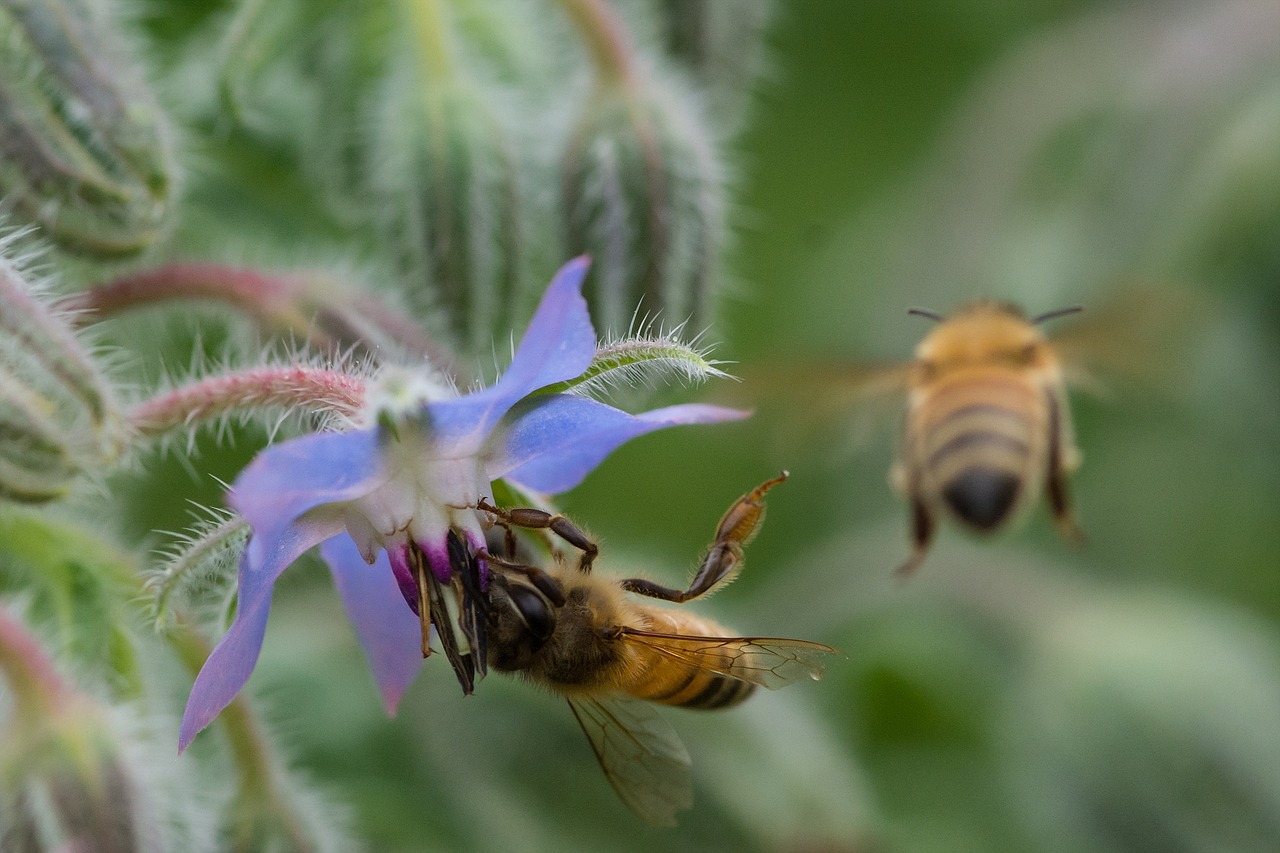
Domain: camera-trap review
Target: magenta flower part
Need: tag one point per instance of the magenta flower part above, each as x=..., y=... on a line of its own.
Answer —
x=410, y=477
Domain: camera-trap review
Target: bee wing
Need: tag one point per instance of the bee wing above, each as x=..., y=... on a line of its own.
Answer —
x=641, y=755
x=830, y=402
x=770, y=662
x=1141, y=334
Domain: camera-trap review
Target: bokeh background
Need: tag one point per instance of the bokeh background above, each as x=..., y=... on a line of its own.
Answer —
x=1017, y=695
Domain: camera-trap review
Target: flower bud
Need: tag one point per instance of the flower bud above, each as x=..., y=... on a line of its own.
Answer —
x=722, y=45
x=1147, y=723
x=643, y=197
x=57, y=414
x=83, y=146
x=452, y=176
x=66, y=781
x=65, y=786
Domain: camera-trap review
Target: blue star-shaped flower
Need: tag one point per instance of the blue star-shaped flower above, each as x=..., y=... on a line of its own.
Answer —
x=383, y=501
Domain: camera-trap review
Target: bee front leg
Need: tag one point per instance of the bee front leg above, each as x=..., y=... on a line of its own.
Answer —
x=724, y=558
x=545, y=583
x=536, y=519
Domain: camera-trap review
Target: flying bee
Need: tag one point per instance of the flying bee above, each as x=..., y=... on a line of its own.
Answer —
x=987, y=424
x=582, y=636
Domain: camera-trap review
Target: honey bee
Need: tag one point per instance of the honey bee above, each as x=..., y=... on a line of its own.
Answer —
x=987, y=424
x=581, y=636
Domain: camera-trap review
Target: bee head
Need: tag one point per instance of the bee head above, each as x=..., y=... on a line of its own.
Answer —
x=521, y=620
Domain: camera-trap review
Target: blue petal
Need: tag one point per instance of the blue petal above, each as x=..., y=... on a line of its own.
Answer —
x=387, y=628
x=286, y=480
x=558, y=345
x=232, y=660
x=553, y=442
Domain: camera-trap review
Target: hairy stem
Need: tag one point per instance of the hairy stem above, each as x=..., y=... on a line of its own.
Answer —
x=268, y=297
x=311, y=388
x=276, y=302
x=250, y=751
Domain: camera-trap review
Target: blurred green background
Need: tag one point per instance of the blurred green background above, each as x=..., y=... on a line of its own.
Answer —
x=1017, y=695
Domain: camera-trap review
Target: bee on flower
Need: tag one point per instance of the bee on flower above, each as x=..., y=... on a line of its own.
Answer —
x=392, y=503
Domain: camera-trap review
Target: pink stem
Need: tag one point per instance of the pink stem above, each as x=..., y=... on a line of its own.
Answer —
x=605, y=37
x=37, y=687
x=311, y=388
x=255, y=292
x=273, y=300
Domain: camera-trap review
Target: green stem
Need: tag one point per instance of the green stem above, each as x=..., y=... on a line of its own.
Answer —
x=427, y=28
x=250, y=751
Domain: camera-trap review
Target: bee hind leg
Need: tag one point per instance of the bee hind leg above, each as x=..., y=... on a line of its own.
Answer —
x=922, y=530
x=1062, y=458
x=1060, y=506
x=723, y=560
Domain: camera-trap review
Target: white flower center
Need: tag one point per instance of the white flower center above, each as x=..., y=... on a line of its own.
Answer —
x=431, y=489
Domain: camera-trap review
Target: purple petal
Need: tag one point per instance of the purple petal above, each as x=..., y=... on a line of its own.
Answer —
x=408, y=584
x=286, y=480
x=555, y=441
x=387, y=628
x=558, y=345
x=232, y=660
x=436, y=554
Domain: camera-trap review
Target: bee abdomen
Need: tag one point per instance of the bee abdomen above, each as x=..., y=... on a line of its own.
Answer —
x=696, y=688
x=979, y=455
x=982, y=497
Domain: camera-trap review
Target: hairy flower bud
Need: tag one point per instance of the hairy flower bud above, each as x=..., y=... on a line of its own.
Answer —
x=66, y=781
x=66, y=787
x=643, y=196
x=57, y=414
x=448, y=164
x=83, y=146
x=722, y=45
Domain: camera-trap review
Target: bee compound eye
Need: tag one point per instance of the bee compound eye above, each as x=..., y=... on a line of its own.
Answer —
x=534, y=610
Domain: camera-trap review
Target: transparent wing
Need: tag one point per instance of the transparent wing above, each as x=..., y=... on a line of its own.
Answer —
x=1140, y=335
x=641, y=755
x=844, y=405
x=770, y=662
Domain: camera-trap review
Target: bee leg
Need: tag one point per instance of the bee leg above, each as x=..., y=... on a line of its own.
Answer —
x=724, y=558
x=922, y=529
x=509, y=540
x=546, y=584
x=536, y=519
x=1060, y=505
x=419, y=565
x=1056, y=483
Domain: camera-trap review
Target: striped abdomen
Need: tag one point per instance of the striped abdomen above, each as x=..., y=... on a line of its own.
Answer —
x=980, y=444
x=691, y=682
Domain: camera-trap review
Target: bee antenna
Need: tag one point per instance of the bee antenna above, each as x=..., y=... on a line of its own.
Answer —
x=922, y=312
x=1053, y=315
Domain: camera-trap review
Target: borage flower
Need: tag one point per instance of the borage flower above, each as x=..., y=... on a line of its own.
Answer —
x=393, y=503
